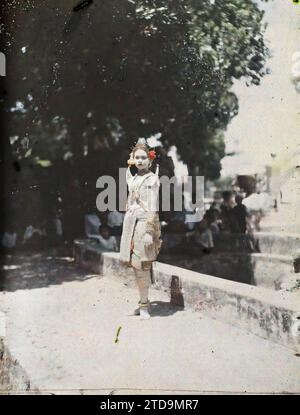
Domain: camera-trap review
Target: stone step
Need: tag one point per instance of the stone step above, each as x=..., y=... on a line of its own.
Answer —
x=271, y=270
x=291, y=283
x=281, y=227
x=278, y=243
x=262, y=270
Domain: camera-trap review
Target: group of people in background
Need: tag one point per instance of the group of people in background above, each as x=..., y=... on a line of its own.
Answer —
x=230, y=216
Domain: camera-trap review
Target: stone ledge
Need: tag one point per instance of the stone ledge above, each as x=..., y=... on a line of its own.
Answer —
x=259, y=269
x=269, y=314
x=278, y=242
x=274, y=315
x=262, y=270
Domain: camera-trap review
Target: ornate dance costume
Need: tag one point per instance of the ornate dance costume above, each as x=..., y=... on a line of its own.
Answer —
x=140, y=240
x=141, y=217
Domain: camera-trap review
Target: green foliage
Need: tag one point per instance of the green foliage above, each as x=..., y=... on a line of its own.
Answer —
x=123, y=70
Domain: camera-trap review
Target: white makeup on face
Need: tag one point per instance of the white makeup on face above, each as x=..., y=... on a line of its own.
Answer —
x=141, y=160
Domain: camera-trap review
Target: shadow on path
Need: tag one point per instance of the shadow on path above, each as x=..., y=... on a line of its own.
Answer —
x=163, y=309
x=38, y=270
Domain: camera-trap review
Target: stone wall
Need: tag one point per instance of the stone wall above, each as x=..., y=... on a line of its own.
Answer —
x=263, y=270
x=274, y=315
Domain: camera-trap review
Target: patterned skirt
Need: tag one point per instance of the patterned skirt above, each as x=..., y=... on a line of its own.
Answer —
x=133, y=251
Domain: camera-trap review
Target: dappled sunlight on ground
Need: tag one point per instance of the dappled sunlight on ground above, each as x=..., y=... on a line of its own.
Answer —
x=19, y=272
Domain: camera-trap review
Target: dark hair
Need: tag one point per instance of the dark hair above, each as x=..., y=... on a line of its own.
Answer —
x=227, y=194
x=140, y=146
x=238, y=198
x=209, y=214
x=103, y=227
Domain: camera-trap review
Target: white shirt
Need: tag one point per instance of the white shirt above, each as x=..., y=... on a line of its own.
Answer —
x=115, y=218
x=91, y=224
x=110, y=244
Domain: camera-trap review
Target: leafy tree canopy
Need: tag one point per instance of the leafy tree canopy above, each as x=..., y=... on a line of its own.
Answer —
x=89, y=82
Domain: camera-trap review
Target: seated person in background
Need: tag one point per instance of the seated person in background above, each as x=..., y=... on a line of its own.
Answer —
x=92, y=223
x=213, y=219
x=106, y=241
x=227, y=216
x=35, y=234
x=241, y=216
x=115, y=221
x=9, y=238
x=202, y=236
